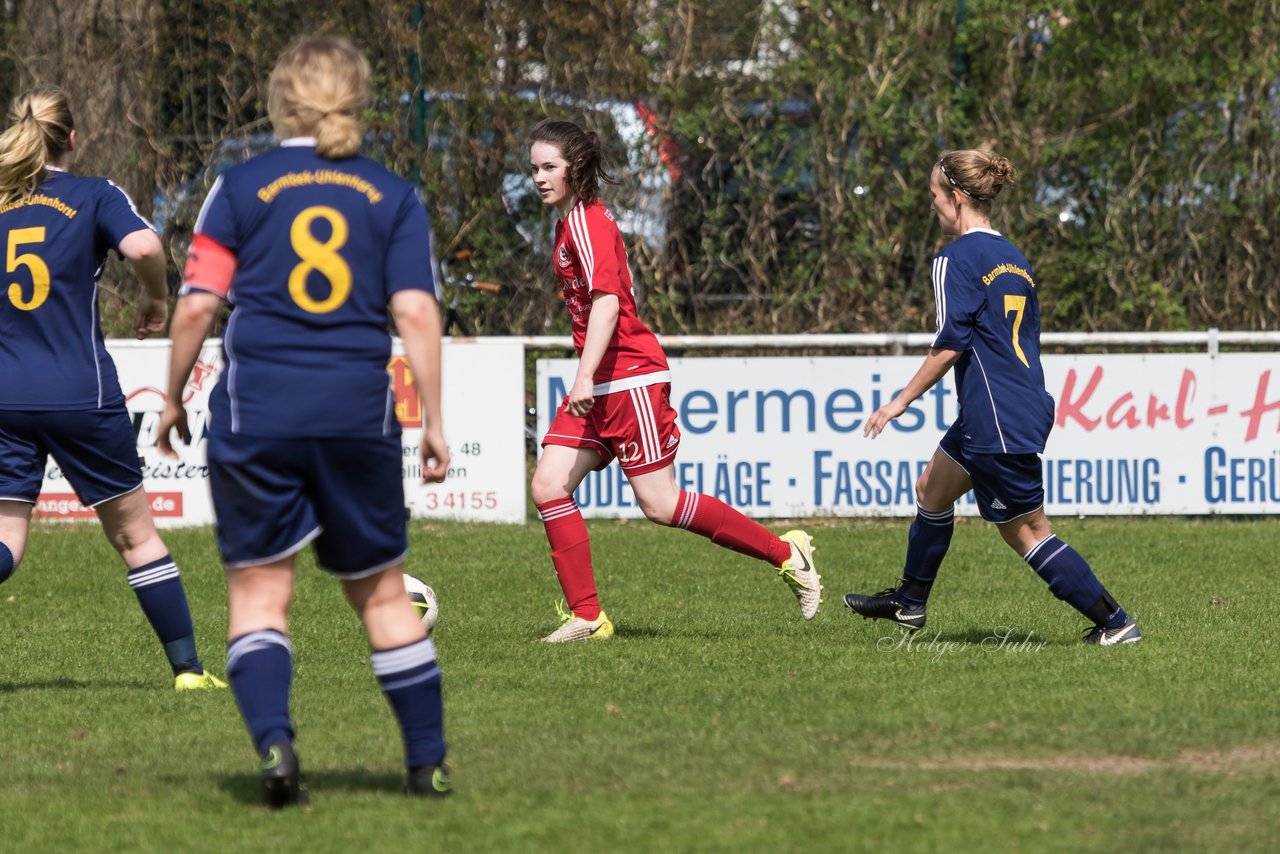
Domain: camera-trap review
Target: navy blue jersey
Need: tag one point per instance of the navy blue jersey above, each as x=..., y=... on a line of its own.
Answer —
x=987, y=308
x=52, y=356
x=320, y=247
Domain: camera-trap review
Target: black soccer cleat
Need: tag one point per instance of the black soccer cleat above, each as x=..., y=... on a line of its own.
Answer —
x=886, y=605
x=1103, y=636
x=428, y=781
x=280, y=786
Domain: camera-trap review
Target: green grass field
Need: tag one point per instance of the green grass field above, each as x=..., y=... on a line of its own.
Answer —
x=715, y=720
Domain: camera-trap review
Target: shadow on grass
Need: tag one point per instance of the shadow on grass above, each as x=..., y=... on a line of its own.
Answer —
x=245, y=787
x=70, y=685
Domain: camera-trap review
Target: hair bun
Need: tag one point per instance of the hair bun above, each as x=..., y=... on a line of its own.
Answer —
x=1001, y=170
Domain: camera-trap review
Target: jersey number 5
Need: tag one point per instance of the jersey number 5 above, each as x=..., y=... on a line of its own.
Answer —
x=33, y=262
x=320, y=257
x=1018, y=305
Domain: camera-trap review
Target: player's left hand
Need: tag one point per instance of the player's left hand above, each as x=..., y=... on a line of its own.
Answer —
x=435, y=455
x=174, y=417
x=151, y=316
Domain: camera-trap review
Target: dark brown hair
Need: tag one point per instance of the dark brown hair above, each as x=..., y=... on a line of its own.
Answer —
x=980, y=175
x=581, y=150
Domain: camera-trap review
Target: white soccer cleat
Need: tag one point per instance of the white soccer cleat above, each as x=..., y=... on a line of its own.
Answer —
x=576, y=629
x=801, y=574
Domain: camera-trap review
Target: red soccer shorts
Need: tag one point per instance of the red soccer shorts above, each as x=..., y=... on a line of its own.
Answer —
x=638, y=426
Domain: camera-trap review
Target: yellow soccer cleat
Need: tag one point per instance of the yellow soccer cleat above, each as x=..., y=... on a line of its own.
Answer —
x=575, y=628
x=196, y=681
x=800, y=573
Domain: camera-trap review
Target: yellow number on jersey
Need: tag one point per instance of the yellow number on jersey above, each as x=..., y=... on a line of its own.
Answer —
x=321, y=257
x=1016, y=304
x=33, y=262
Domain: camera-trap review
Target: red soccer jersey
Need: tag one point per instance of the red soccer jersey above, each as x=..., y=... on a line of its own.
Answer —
x=589, y=258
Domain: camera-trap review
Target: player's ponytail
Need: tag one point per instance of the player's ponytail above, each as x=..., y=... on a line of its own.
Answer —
x=977, y=175
x=39, y=132
x=581, y=149
x=319, y=88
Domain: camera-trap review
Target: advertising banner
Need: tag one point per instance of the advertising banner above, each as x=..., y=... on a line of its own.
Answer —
x=1133, y=434
x=483, y=402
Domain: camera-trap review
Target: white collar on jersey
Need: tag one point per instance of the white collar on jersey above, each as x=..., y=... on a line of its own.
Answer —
x=295, y=141
x=979, y=230
x=53, y=168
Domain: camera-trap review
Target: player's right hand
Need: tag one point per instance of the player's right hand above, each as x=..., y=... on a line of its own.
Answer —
x=435, y=455
x=881, y=417
x=581, y=397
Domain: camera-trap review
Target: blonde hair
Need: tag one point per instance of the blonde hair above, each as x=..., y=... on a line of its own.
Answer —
x=980, y=175
x=39, y=131
x=318, y=88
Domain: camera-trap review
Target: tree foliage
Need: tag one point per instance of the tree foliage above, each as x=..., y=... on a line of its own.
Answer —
x=793, y=139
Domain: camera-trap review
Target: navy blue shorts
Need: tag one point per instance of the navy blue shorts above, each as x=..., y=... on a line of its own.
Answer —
x=273, y=496
x=1006, y=485
x=96, y=450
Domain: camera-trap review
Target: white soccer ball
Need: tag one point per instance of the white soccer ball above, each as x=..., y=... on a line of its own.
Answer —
x=423, y=599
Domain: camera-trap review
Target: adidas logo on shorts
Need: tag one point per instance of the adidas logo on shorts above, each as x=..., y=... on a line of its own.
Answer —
x=671, y=441
x=998, y=505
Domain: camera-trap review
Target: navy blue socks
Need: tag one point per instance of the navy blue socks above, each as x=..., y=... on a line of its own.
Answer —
x=927, y=545
x=410, y=677
x=1071, y=580
x=164, y=602
x=6, y=563
x=260, y=669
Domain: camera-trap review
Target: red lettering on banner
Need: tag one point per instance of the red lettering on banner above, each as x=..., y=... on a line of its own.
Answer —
x=1260, y=408
x=62, y=505
x=66, y=505
x=408, y=406
x=1156, y=411
x=165, y=504
x=1186, y=394
x=1121, y=414
x=1068, y=408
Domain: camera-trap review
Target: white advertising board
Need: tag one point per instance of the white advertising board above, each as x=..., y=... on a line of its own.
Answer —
x=483, y=402
x=1134, y=434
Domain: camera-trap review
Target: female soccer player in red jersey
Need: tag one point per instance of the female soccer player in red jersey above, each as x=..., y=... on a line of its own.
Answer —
x=59, y=394
x=619, y=403
x=989, y=331
x=311, y=244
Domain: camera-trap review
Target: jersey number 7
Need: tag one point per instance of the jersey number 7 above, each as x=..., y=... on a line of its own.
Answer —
x=1018, y=305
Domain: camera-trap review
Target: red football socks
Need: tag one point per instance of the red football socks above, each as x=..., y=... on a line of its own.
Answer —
x=571, y=555
x=726, y=527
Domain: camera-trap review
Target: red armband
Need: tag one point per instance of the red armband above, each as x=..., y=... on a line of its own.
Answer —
x=210, y=266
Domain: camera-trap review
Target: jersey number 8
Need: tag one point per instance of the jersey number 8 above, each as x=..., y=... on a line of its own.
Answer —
x=323, y=258
x=33, y=262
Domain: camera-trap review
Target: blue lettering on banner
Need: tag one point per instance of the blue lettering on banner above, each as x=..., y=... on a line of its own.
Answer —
x=1102, y=481
x=694, y=405
x=1240, y=480
x=739, y=483
x=605, y=488
x=786, y=410
x=865, y=483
